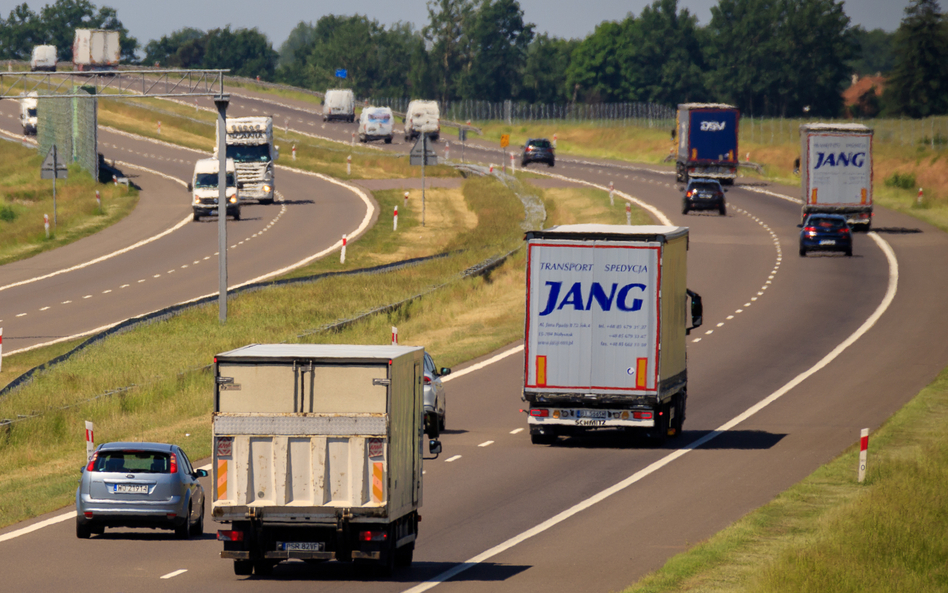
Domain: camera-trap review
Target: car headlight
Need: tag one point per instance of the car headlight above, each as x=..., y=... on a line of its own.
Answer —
x=197, y=200
x=266, y=189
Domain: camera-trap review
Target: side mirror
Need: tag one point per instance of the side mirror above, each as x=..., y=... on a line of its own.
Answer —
x=201, y=473
x=800, y=226
x=240, y=185
x=434, y=447
x=190, y=187
x=445, y=371
x=697, y=311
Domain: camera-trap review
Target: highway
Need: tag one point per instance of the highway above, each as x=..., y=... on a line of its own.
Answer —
x=831, y=344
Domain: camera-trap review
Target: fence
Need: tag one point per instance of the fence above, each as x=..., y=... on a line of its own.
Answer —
x=72, y=125
x=931, y=132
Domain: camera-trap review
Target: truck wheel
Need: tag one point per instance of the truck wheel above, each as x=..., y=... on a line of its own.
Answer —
x=404, y=555
x=388, y=140
x=262, y=568
x=542, y=439
x=677, y=425
x=197, y=217
x=243, y=568
x=237, y=214
x=267, y=201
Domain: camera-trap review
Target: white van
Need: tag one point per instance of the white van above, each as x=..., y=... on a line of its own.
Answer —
x=421, y=114
x=44, y=58
x=339, y=104
x=375, y=123
x=28, y=113
x=204, y=192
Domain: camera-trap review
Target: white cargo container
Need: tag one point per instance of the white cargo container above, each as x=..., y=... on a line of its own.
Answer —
x=318, y=453
x=250, y=143
x=96, y=49
x=375, y=123
x=339, y=104
x=836, y=175
x=607, y=308
x=422, y=115
x=44, y=58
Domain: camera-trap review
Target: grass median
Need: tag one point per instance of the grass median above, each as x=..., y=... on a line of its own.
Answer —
x=154, y=383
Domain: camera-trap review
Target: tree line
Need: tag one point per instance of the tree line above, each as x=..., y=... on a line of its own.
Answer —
x=782, y=58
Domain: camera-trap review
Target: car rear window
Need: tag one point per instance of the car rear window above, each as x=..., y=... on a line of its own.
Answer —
x=540, y=143
x=827, y=223
x=705, y=186
x=154, y=462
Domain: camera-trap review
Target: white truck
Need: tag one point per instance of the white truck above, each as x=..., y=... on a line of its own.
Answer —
x=422, y=115
x=339, y=104
x=607, y=308
x=96, y=49
x=44, y=58
x=29, y=113
x=204, y=189
x=375, y=123
x=317, y=453
x=250, y=143
x=836, y=172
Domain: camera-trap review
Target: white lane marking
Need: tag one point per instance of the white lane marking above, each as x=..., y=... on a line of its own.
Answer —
x=772, y=193
x=171, y=575
x=486, y=444
x=654, y=467
x=516, y=430
x=21, y=315
x=38, y=526
x=480, y=365
x=450, y=459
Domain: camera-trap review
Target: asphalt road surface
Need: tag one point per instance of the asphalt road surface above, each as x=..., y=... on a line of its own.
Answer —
x=831, y=344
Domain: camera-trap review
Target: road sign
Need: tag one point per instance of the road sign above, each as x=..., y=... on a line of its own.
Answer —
x=342, y=73
x=421, y=152
x=53, y=167
x=504, y=140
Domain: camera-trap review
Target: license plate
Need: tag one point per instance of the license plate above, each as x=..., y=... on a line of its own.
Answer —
x=827, y=242
x=304, y=546
x=130, y=488
x=591, y=414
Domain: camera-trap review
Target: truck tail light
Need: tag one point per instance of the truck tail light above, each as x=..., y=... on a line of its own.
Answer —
x=372, y=536
x=642, y=415
x=540, y=413
x=230, y=536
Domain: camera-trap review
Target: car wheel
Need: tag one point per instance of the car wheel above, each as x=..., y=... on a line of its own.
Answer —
x=684, y=209
x=551, y=163
x=723, y=210
x=237, y=214
x=83, y=530
x=849, y=252
x=388, y=140
x=183, y=531
x=197, y=530
x=243, y=568
x=802, y=252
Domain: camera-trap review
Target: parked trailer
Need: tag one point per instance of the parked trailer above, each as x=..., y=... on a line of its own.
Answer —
x=707, y=141
x=605, y=330
x=318, y=453
x=836, y=176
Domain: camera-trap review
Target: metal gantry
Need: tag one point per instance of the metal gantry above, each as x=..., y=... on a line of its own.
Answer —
x=114, y=83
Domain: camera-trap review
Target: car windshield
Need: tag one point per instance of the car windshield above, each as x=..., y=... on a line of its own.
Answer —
x=209, y=180
x=705, y=186
x=540, y=143
x=249, y=152
x=31, y=112
x=154, y=462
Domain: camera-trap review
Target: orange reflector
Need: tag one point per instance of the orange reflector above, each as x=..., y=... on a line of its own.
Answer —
x=378, y=489
x=541, y=370
x=813, y=196
x=641, y=373
x=863, y=201
x=221, y=479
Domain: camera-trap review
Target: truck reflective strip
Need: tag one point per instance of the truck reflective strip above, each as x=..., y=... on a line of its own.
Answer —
x=221, y=479
x=541, y=371
x=641, y=373
x=378, y=490
x=863, y=200
x=813, y=196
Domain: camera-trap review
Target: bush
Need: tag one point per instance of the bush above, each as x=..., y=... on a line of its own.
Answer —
x=7, y=214
x=903, y=180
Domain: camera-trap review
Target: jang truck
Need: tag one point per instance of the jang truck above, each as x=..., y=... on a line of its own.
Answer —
x=250, y=143
x=607, y=314
x=707, y=141
x=836, y=175
x=96, y=49
x=317, y=453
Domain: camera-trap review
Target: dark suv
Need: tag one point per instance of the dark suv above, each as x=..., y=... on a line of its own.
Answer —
x=704, y=194
x=537, y=150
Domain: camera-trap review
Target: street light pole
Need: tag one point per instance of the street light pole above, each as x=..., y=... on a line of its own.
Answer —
x=221, y=103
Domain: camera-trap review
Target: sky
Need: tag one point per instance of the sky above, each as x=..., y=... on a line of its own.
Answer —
x=147, y=20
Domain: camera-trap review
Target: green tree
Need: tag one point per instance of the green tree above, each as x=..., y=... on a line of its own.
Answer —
x=544, y=71
x=302, y=35
x=498, y=40
x=448, y=21
x=875, y=53
x=19, y=33
x=246, y=52
x=595, y=72
x=919, y=83
x=175, y=50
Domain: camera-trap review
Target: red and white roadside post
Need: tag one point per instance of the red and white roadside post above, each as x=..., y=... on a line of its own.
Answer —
x=395, y=217
x=349, y=165
x=920, y=195
x=342, y=254
x=159, y=127
x=90, y=440
x=447, y=150
x=46, y=224
x=612, y=190
x=492, y=169
x=115, y=181
x=352, y=141
x=406, y=200
x=394, y=336
x=628, y=213
x=1, y=348
x=294, y=152
x=554, y=140
x=513, y=165
x=98, y=199
x=863, y=453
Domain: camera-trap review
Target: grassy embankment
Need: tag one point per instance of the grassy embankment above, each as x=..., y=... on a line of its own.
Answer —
x=168, y=399
x=25, y=198
x=827, y=533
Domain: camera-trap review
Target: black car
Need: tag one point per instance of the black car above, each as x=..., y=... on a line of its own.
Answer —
x=704, y=194
x=537, y=150
x=826, y=232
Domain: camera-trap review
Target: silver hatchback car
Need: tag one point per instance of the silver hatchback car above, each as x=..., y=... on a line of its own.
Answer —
x=140, y=485
x=435, y=406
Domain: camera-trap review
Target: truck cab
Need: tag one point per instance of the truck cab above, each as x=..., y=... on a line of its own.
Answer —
x=28, y=114
x=204, y=190
x=422, y=115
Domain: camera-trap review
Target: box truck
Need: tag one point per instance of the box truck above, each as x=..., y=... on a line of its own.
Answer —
x=205, y=193
x=317, y=453
x=339, y=104
x=96, y=49
x=836, y=176
x=607, y=313
x=250, y=143
x=707, y=141
x=44, y=58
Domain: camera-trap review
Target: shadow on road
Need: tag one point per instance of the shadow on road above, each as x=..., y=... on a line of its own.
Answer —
x=340, y=572
x=615, y=439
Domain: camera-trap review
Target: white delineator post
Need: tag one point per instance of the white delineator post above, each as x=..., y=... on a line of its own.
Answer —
x=1, y=348
x=447, y=150
x=294, y=152
x=46, y=224
x=98, y=199
x=394, y=336
x=554, y=140
x=612, y=190
x=342, y=254
x=628, y=213
x=395, y=223
x=90, y=440
x=863, y=453
x=492, y=169
x=513, y=165
x=159, y=127
x=353, y=140
x=349, y=165
x=406, y=200
x=919, y=195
